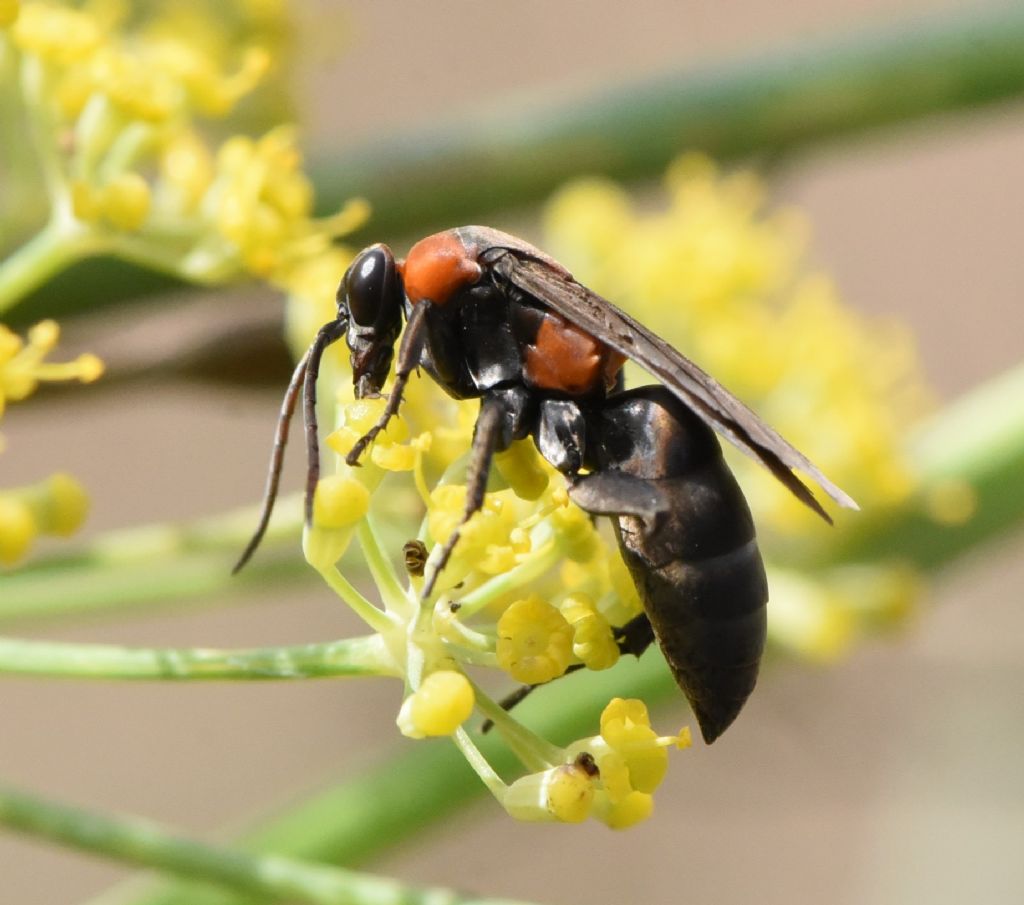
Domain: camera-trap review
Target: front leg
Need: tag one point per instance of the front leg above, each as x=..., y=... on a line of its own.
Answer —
x=502, y=419
x=409, y=353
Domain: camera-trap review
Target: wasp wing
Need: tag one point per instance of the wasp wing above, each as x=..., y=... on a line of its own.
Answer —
x=708, y=398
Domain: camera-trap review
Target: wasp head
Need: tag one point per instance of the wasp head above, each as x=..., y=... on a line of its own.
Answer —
x=370, y=300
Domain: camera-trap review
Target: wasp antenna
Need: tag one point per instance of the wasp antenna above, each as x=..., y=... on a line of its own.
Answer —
x=284, y=420
x=328, y=334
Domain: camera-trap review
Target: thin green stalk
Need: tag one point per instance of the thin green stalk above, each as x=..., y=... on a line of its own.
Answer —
x=403, y=794
x=149, y=565
x=979, y=439
x=348, y=657
x=152, y=564
x=793, y=98
x=51, y=250
x=141, y=842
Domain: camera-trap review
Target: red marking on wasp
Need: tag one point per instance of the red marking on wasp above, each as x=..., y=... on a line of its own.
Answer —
x=437, y=267
x=568, y=360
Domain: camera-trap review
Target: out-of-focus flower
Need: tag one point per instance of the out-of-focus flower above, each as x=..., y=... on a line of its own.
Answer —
x=58, y=505
x=120, y=109
x=124, y=105
x=534, y=587
x=724, y=281
x=23, y=365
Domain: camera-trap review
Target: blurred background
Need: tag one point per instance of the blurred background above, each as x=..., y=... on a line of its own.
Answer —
x=892, y=776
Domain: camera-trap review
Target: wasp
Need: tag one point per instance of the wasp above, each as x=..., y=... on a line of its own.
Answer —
x=489, y=316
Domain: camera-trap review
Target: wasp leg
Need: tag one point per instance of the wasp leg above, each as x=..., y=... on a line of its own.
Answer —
x=409, y=353
x=615, y=493
x=284, y=420
x=514, y=698
x=635, y=636
x=487, y=436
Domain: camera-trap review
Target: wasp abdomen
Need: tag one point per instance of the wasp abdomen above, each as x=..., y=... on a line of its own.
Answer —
x=688, y=539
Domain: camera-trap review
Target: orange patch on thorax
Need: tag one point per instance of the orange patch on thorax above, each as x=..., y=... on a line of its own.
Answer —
x=437, y=267
x=566, y=359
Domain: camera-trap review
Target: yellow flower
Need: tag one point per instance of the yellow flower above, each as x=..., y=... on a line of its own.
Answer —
x=56, y=506
x=534, y=641
x=564, y=793
x=9, y=10
x=136, y=88
x=17, y=529
x=339, y=501
x=626, y=727
x=635, y=808
x=485, y=542
x=55, y=33
x=526, y=472
x=442, y=703
x=593, y=640
x=22, y=365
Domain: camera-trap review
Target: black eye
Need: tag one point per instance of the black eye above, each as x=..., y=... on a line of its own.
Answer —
x=371, y=288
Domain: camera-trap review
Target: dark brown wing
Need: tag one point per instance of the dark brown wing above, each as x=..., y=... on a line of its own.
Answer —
x=709, y=399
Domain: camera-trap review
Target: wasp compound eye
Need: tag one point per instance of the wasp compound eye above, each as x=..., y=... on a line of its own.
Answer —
x=370, y=301
x=371, y=289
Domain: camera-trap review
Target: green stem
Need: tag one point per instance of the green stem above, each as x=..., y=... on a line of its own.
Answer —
x=154, y=564
x=793, y=98
x=141, y=842
x=50, y=251
x=402, y=795
x=782, y=101
x=382, y=570
x=348, y=657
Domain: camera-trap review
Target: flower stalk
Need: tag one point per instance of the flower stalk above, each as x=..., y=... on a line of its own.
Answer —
x=146, y=844
x=348, y=657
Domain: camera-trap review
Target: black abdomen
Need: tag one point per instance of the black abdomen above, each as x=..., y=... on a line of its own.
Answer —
x=689, y=544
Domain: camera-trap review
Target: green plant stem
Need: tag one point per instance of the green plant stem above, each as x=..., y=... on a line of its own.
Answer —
x=51, y=250
x=347, y=657
x=793, y=98
x=150, y=565
x=980, y=439
x=403, y=794
x=154, y=564
x=143, y=843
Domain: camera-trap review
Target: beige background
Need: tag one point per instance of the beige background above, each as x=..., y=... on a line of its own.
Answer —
x=895, y=777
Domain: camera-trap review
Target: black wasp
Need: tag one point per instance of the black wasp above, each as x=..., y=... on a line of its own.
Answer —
x=489, y=316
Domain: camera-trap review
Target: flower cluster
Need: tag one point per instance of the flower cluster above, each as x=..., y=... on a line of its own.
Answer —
x=527, y=535
x=120, y=103
x=724, y=280
x=534, y=588
x=57, y=505
x=116, y=109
